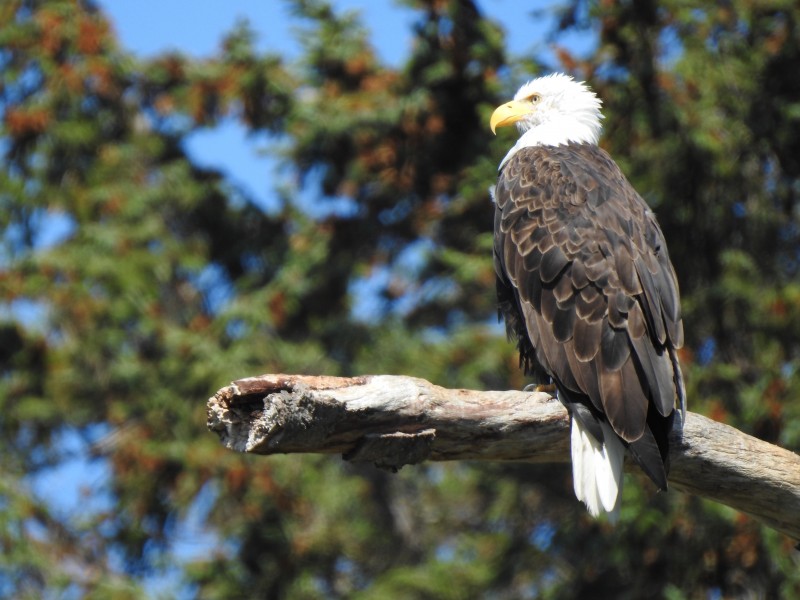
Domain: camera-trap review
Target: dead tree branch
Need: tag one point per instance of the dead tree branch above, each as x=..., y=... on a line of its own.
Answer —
x=394, y=421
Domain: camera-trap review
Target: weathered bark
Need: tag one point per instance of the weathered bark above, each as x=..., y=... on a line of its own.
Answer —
x=394, y=421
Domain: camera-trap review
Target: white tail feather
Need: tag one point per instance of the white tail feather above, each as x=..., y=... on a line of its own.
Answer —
x=597, y=470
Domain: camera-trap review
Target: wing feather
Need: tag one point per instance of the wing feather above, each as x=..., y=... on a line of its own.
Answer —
x=596, y=304
x=553, y=263
x=614, y=348
x=586, y=338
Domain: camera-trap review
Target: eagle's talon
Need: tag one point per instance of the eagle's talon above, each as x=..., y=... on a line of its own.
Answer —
x=547, y=388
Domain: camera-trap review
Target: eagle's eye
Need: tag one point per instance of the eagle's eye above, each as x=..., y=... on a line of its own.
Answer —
x=534, y=98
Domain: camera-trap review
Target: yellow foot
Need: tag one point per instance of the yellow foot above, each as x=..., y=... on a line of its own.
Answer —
x=547, y=388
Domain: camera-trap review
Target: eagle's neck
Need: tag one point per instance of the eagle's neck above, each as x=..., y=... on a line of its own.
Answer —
x=558, y=132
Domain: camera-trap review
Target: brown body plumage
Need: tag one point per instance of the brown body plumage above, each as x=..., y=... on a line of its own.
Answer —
x=586, y=287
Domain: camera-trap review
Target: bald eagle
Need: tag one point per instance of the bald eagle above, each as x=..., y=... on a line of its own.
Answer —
x=586, y=287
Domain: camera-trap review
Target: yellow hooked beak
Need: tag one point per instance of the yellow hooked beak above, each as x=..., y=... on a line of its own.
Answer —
x=509, y=113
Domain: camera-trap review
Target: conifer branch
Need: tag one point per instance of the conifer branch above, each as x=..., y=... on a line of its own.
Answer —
x=393, y=421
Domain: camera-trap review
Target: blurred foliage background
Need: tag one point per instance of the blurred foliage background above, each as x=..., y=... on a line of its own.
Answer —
x=168, y=282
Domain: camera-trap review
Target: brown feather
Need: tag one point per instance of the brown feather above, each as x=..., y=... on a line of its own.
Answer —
x=636, y=324
x=564, y=323
x=553, y=263
x=587, y=289
x=586, y=338
x=549, y=305
x=590, y=304
x=627, y=272
x=624, y=401
x=578, y=273
x=614, y=347
x=563, y=290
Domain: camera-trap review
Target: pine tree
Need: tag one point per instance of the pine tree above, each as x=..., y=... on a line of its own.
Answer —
x=163, y=281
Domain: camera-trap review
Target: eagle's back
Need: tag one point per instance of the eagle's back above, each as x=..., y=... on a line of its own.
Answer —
x=586, y=287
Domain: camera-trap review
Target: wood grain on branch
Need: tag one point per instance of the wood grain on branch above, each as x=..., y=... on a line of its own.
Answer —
x=394, y=421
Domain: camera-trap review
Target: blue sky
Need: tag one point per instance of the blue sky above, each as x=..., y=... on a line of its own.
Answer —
x=148, y=28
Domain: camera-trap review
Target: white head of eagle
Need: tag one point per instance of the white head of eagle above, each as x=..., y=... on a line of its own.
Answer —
x=586, y=287
x=550, y=111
